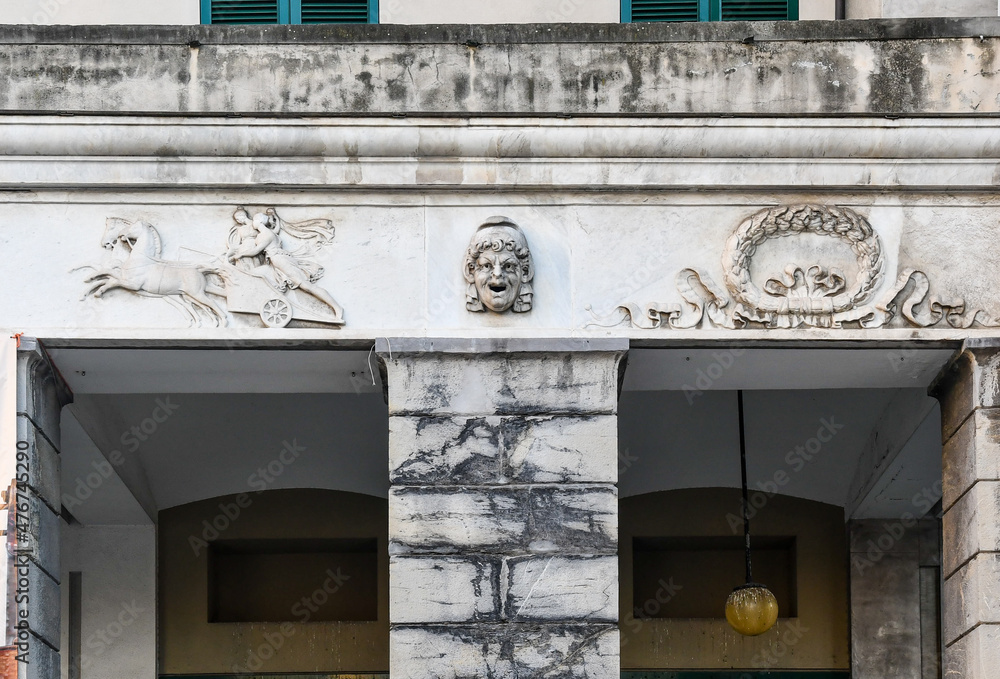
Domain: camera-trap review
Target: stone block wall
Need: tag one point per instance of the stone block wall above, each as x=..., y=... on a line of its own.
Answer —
x=41, y=394
x=503, y=512
x=970, y=411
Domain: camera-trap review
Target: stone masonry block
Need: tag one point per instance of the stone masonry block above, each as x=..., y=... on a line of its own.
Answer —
x=559, y=588
x=446, y=450
x=971, y=381
x=574, y=519
x=41, y=393
x=507, y=520
x=40, y=598
x=971, y=525
x=43, y=463
x=503, y=384
x=974, y=656
x=447, y=520
x=560, y=449
x=43, y=662
x=38, y=536
x=972, y=454
x=972, y=596
x=505, y=651
x=444, y=589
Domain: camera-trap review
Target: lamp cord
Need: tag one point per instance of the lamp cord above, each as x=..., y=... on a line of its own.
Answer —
x=743, y=468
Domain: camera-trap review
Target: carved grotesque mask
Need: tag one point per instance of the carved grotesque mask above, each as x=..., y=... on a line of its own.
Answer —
x=498, y=268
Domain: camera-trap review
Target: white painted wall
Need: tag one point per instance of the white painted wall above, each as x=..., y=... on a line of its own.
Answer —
x=492, y=12
x=187, y=12
x=815, y=10
x=898, y=9
x=149, y=12
x=119, y=599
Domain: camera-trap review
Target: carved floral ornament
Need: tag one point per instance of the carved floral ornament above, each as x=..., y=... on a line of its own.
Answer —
x=266, y=271
x=812, y=295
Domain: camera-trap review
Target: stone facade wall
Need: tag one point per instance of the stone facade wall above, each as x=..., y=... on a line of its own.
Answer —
x=503, y=513
x=970, y=409
x=41, y=394
x=778, y=68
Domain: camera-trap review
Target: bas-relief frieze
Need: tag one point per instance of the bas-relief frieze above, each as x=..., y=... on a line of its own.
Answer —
x=267, y=270
x=806, y=294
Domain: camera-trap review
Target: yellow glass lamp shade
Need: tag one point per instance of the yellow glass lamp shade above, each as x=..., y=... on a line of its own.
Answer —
x=751, y=609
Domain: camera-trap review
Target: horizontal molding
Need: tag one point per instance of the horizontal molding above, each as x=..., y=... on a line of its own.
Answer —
x=566, y=174
x=853, y=154
x=167, y=138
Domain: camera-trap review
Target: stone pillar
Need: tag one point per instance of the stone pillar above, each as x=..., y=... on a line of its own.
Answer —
x=41, y=394
x=969, y=392
x=503, y=508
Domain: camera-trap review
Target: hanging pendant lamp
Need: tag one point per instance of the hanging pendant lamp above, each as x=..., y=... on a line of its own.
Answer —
x=751, y=608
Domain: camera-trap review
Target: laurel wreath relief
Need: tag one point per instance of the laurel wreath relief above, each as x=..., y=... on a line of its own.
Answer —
x=810, y=296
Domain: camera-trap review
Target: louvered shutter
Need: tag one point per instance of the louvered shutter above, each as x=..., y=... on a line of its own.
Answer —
x=334, y=11
x=756, y=10
x=665, y=10
x=244, y=11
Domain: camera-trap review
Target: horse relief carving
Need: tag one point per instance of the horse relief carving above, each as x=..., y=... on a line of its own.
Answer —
x=811, y=294
x=267, y=271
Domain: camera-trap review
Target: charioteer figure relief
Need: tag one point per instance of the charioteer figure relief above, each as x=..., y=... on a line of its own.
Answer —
x=259, y=273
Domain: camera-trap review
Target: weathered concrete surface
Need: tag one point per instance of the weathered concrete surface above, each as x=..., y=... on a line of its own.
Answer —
x=885, y=600
x=881, y=67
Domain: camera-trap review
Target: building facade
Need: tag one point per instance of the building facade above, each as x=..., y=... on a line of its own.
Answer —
x=412, y=349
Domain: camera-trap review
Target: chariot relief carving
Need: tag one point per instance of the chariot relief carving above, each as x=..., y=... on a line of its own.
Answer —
x=267, y=270
x=809, y=294
x=498, y=269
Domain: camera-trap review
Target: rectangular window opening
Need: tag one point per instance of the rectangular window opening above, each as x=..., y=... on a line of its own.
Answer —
x=691, y=577
x=709, y=10
x=293, y=580
x=289, y=11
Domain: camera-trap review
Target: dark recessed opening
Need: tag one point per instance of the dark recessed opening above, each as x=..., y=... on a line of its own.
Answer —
x=691, y=577
x=293, y=580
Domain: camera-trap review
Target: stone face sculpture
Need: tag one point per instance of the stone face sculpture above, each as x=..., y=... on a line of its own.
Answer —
x=498, y=268
x=258, y=274
x=805, y=295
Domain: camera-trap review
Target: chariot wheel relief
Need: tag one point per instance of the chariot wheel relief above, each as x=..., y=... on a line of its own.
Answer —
x=276, y=313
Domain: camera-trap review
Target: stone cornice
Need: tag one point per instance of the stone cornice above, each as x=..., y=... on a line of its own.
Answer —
x=514, y=153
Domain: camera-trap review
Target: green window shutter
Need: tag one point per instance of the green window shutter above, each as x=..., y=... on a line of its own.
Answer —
x=242, y=11
x=667, y=10
x=335, y=12
x=759, y=10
